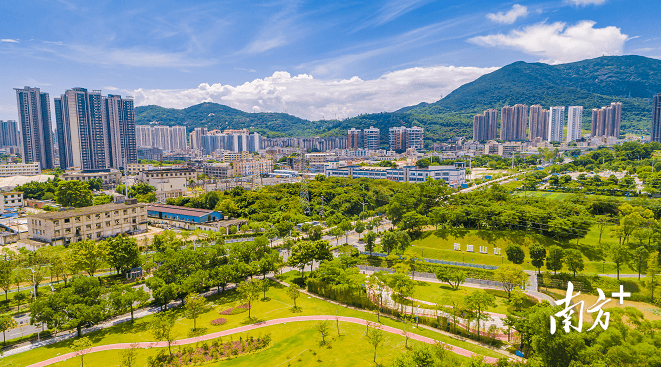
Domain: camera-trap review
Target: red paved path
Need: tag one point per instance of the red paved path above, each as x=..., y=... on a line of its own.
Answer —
x=424, y=339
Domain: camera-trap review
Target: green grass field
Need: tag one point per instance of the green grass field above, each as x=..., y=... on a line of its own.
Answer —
x=296, y=344
x=278, y=306
x=440, y=245
x=440, y=293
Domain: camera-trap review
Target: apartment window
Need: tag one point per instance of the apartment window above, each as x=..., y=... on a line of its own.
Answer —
x=55, y=222
x=77, y=219
x=116, y=212
x=88, y=217
x=88, y=226
x=116, y=222
x=107, y=214
x=57, y=232
x=67, y=230
x=98, y=225
x=124, y=212
x=98, y=234
x=108, y=224
x=97, y=216
x=67, y=220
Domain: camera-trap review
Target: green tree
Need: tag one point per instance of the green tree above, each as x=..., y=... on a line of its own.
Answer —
x=653, y=269
x=121, y=252
x=511, y=276
x=477, y=303
x=554, y=258
x=124, y=297
x=249, y=292
x=620, y=255
x=413, y=223
x=86, y=255
x=336, y=232
x=346, y=226
x=375, y=337
x=453, y=277
x=574, y=260
x=73, y=193
x=293, y=292
x=388, y=242
x=81, y=346
x=162, y=328
x=7, y=322
x=6, y=269
x=360, y=228
x=130, y=355
x=537, y=255
x=640, y=257
x=324, y=330
x=194, y=306
x=515, y=254
x=370, y=239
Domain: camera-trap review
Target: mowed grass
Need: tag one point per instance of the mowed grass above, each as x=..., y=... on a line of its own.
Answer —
x=278, y=306
x=295, y=344
x=439, y=244
x=440, y=293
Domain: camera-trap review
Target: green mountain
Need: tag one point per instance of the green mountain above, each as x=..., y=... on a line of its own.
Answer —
x=217, y=116
x=593, y=83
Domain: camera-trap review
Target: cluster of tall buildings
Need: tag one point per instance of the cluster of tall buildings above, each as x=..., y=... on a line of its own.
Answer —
x=367, y=139
x=311, y=143
x=166, y=138
x=401, y=138
x=93, y=131
x=520, y=123
x=9, y=134
x=239, y=140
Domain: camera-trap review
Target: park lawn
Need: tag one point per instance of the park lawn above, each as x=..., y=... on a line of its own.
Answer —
x=297, y=343
x=279, y=306
x=440, y=245
x=563, y=195
x=650, y=312
x=437, y=293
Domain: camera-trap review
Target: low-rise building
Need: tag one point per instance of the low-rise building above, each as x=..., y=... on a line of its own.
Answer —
x=453, y=176
x=218, y=170
x=183, y=214
x=92, y=222
x=187, y=173
x=135, y=168
x=20, y=169
x=10, y=201
x=109, y=177
x=249, y=167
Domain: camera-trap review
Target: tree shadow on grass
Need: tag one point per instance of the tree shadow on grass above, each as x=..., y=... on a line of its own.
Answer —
x=198, y=332
x=296, y=309
x=252, y=320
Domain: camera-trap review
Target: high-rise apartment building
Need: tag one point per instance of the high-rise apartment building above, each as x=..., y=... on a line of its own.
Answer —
x=119, y=114
x=371, y=138
x=539, y=123
x=485, y=125
x=81, y=130
x=9, y=134
x=178, y=136
x=230, y=140
x=354, y=137
x=556, y=123
x=196, y=137
x=656, y=118
x=397, y=138
x=36, y=132
x=606, y=120
x=143, y=136
x=402, y=138
x=574, y=122
x=95, y=132
x=514, y=122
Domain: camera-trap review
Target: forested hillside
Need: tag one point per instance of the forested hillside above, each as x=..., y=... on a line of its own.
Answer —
x=632, y=80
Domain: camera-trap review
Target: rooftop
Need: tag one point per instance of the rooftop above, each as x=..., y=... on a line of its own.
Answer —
x=179, y=210
x=14, y=181
x=86, y=210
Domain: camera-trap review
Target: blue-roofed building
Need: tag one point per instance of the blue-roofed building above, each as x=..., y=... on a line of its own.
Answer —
x=454, y=176
x=183, y=214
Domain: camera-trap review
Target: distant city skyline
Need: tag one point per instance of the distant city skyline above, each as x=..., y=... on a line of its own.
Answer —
x=313, y=61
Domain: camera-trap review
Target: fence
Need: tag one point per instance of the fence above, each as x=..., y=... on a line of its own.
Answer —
x=443, y=262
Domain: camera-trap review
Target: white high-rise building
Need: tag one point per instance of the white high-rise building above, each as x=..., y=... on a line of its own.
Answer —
x=178, y=138
x=556, y=123
x=143, y=136
x=574, y=121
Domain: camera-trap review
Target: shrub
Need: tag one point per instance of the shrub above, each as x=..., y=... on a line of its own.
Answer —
x=219, y=321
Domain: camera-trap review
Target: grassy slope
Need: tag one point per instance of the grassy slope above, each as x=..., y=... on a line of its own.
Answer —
x=279, y=306
x=440, y=245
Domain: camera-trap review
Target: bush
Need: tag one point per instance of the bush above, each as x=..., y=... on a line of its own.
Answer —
x=218, y=321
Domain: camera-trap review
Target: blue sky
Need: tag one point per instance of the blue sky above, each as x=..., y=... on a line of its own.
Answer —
x=312, y=59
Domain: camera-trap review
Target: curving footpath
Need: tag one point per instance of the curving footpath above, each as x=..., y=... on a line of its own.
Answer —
x=420, y=338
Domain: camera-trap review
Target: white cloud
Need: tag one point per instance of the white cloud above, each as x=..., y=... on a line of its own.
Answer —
x=9, y=40
x=585, y=2
x=556, y=43
x=517, y=11
x=310, y=98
